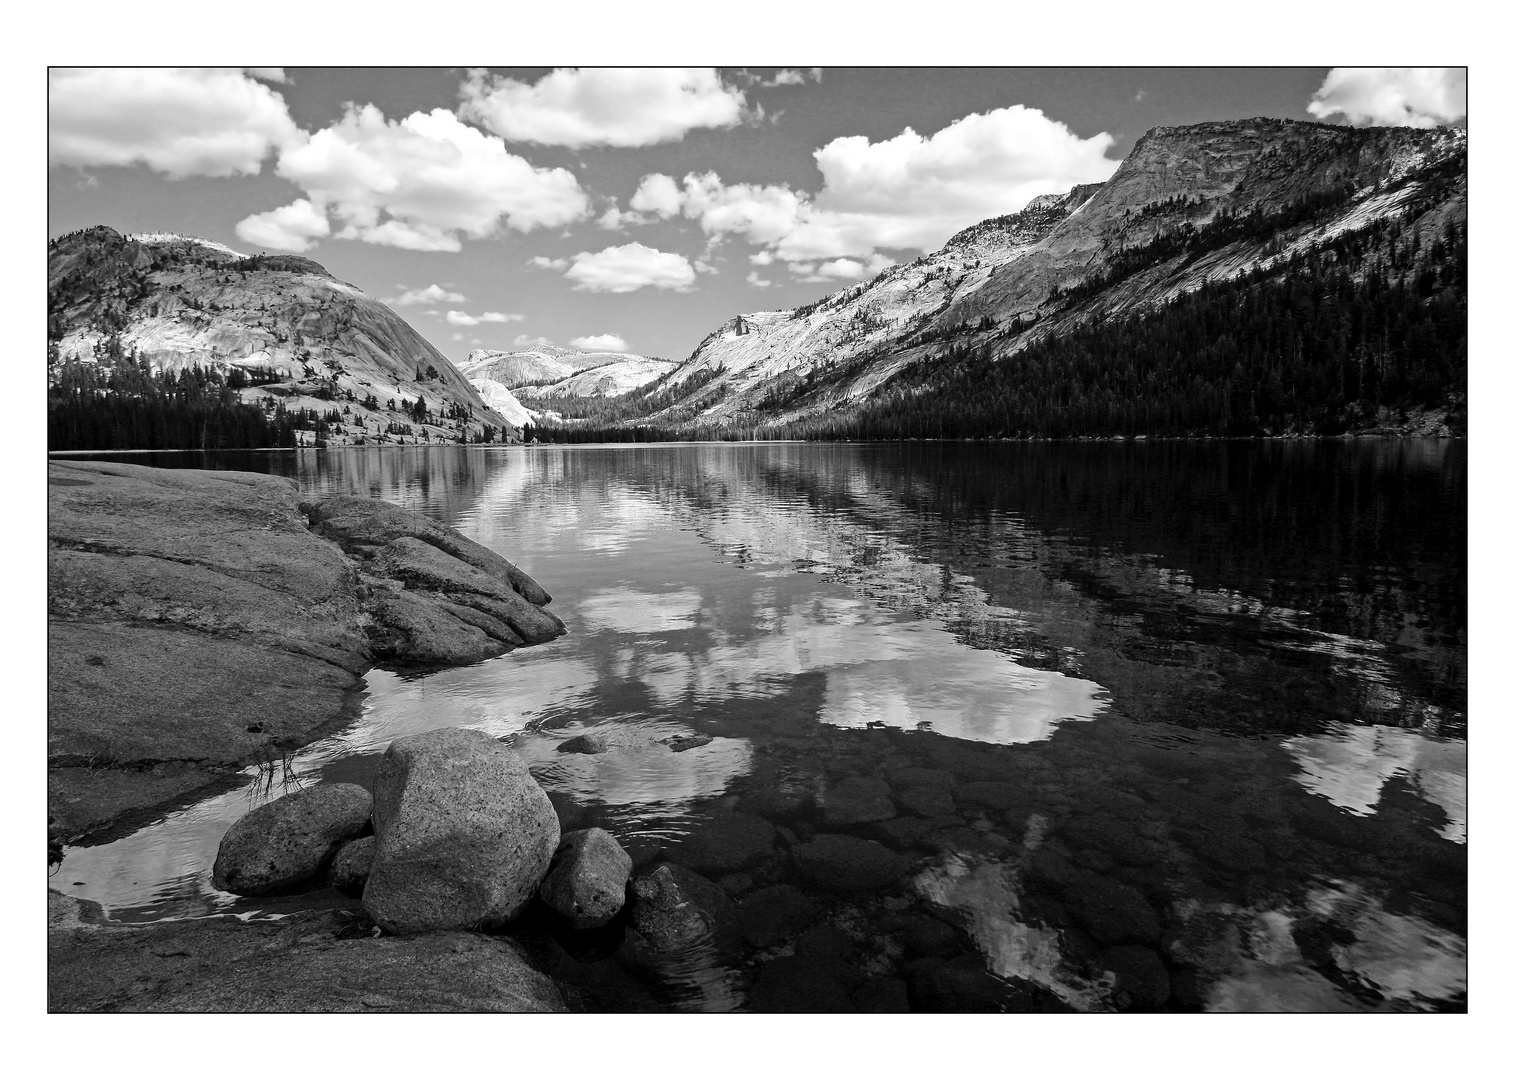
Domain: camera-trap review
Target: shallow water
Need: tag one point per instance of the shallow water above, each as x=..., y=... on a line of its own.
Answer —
x=1193, y=705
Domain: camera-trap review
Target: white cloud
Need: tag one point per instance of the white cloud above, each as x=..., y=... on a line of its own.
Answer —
x=434, y=177
x=295, y=227
x=274, y=75
x=179, y=121
x=793, y=77
x=1402, y=97
x=849, y=269
x=432, y=294
x=462, y=318
x=908, y=192
x=628, y=268
x=600, y=343
x=657, y=194
x=601, y=106
x=542, y=262
x=617, y=219
x=524, y=341
x=704, y=267
x=757, y=282
x=760, y=258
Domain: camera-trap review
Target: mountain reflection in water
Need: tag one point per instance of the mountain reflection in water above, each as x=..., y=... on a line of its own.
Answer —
x=1163, y=725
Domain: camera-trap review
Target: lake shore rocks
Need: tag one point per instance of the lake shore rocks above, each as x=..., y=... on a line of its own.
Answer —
x=464, y=834
x=673, y=908
x=311, y=962
x=586, y=882
x=200, y=621
x=290, y=841
x=349, y=870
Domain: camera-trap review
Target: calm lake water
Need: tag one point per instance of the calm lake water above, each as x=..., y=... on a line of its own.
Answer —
x=1178, y=722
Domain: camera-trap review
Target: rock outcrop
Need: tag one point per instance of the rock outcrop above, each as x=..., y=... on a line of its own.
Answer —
x=464, y=835
x=180, y=302
x=290, y=841
x=202, y=621
x=311, y=962
x=586, y=883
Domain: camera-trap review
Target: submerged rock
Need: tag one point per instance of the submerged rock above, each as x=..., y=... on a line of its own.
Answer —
x=770, y=915
x=290, y=842
x=464, y=834
x=586, y=883
x=856, y=801
x=840, y=863
x=349, y=870
x=673, y=907
x=728, y=841
x=1141, y=980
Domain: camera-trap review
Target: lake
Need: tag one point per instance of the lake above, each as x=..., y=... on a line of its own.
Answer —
x=1176, y=725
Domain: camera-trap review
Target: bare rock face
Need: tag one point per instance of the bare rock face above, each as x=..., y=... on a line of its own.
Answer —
x=204, y=619
x=290, y=842
x=587, y=881
x=464, y=834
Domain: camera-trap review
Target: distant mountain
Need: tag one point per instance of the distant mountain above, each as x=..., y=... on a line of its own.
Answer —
x=278, y=329
x=549, y=371
x=1192, y=293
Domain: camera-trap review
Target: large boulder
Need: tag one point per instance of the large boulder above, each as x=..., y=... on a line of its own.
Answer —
x=464, y=834
x=586, y=883
x=289, y=843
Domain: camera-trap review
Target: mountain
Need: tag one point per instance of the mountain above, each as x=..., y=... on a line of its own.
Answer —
x=275, y=331
x=549, y=371
x=1251, y=242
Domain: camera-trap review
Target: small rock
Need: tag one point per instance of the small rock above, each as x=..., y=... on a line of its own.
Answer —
x=856, y=801
x=674, y=907
x=586, y=882
x=584, y=744
x=290, y=842
x=679, y=743
x=349, y=870
x=848, y=864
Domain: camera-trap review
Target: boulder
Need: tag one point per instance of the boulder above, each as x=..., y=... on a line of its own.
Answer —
x=928, y=801
x=586, y=882
x=857, y=800
x=349, y=870
x=840, y=863
x=289, y=843
x=464, y=834
x=673, y=908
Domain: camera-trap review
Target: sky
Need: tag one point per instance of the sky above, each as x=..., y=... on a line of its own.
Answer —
x=629, y=208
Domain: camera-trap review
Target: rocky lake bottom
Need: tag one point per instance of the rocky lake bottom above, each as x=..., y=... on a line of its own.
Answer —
x=923, y=727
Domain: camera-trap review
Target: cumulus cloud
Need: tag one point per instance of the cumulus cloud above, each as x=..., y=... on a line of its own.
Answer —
x=908, y=192
x=462, y=318
x=274, y=75
x=432, y=294
x=1398, y=97
x=757, y=282
x=422, y=182
x=628, y=268
x=295, y=227
x=843, y=269
x=658, y=194
x=600, y=343
x=179, y=121
x=542, y=262
x=617, y=219
x=792, y=77
x=524, y=341
x=601, y=106
x=760, y=258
